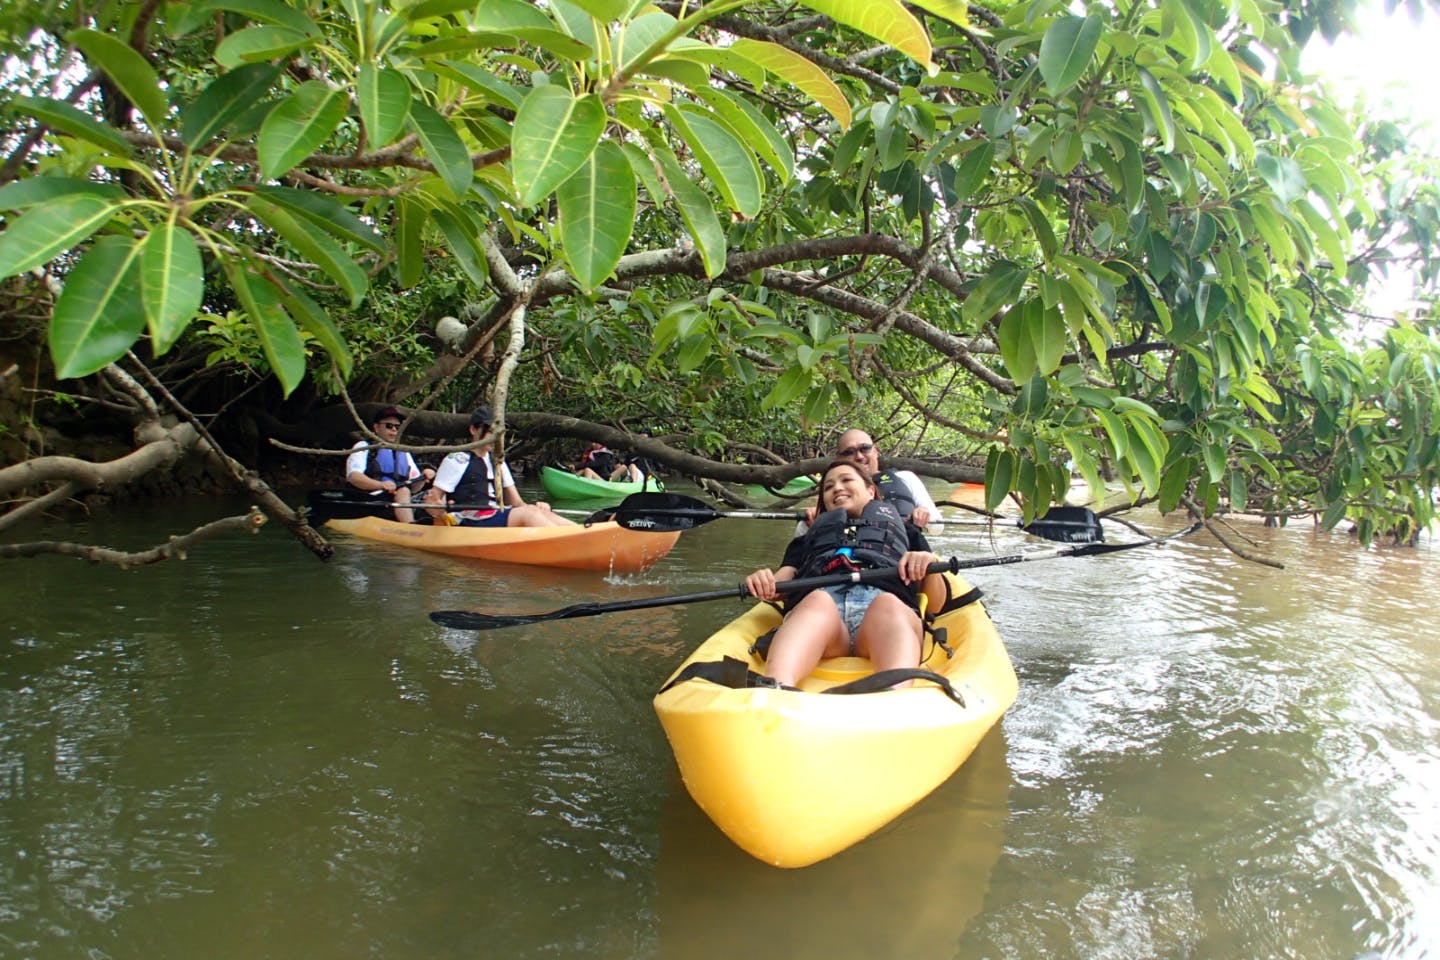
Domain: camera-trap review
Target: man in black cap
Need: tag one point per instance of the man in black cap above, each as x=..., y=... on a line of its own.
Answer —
x=469, y=478
x=390, y=476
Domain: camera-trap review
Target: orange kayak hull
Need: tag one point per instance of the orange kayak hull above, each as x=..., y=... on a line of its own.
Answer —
x=601, y=546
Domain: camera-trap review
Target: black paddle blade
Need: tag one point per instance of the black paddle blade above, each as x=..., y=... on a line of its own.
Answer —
x=1068, y=525
x=662, y=512
x=470, y=620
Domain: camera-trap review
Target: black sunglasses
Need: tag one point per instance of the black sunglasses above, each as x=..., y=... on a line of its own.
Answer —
x=389, y=423
x=858, y=448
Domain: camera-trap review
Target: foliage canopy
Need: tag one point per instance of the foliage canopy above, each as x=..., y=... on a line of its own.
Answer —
x=1131, y=238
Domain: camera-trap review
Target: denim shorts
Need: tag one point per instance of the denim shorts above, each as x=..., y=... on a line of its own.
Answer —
x=852, y=600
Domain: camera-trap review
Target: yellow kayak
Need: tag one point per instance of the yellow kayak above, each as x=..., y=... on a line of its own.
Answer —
x=793, y=777
x=597, y=546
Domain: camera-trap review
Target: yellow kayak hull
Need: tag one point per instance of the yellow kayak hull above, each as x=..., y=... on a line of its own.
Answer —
x=599, y=546
x=793, y=777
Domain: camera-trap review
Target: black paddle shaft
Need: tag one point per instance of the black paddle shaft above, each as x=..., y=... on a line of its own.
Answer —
x=470, y=620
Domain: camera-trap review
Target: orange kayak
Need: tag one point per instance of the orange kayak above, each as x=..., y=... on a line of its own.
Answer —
x=599, y=546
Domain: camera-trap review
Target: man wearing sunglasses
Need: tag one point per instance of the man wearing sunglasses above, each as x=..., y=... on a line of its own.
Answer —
x=390, y=476
x=900, y=487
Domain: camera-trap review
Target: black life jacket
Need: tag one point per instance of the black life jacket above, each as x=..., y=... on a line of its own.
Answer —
x=477, y=484
x=877, y=538
x=896, y=492
x=386, y=464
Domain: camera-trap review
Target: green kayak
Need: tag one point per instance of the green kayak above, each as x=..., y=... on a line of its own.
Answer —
x=792, y=488
x=564, y=485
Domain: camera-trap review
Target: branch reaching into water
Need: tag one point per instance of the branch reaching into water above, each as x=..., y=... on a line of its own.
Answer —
x=176, y=549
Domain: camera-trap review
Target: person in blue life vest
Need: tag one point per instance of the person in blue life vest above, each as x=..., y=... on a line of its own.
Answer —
x=467, y=480
x=390, y=476
x=854, y=529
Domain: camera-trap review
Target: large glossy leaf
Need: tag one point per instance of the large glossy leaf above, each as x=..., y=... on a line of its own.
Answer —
x=597, y=214
x=460, y=237
x=384, y=97
x=956, y=11
x=1283, y=175
x=409, y=250
x=697, y=212
x=555, y=132
x=886, y=20
x=61, y=116
x=314, y=321
x=444, y=147
x=1016, y=347
x=639, y=36
x=753, y=127
x=49, y=229
x=299, y=126
x=99, y=314
x=19, y=194
x=261, y=11
x=172, y=283
x=279, y=339
x=1157, y=107
x=130, y=71
x=313, y=245
x=259, y=45
x=729, y=165
x=1067, y=49
x=225, y=99
x=799, y=73
x=605, y=10
x=325, y=212
x=480, y=81
x=1045, y=327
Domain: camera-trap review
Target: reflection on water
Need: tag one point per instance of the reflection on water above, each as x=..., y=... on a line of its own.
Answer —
x=254, y=754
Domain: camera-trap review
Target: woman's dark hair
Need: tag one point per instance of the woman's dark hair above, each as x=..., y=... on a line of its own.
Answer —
x=820, y=484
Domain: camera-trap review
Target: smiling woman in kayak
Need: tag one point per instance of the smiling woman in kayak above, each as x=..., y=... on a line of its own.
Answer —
x=855, y=529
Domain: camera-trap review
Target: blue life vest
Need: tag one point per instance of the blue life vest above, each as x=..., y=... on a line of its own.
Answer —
x=386, y=464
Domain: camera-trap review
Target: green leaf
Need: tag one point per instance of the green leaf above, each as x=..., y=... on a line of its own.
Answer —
x=49, y=229
x=1067, y=49
x=1045, y=327
x=99, y=315
x=697, y=212
x=1174, y=483
x=1000, y=469
x=299, y=126
x=314, y=321
x=19, y=194
x=444, y=148
x=1157, y=106
x=384, y=97
x=787, y=388
x=325, y=212
x=1115, y=430
x=886, y=20
x=226, y=98
x=800, y=73
x=260, y=44
x=61, y=116
x=605, y=10
x=262, y=11
x=130, y=71
x=409, y=249
x=1283, y=175
x=597, y=214
x=974, y=170
x=317, y=247
x=752, y=126
x=172, y=283
x=1016, y=348
x=279, y=340
x=731, y=168
x=555, y=132
x=956, y=11
x=460, y=232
